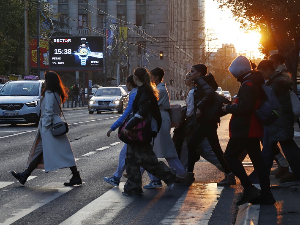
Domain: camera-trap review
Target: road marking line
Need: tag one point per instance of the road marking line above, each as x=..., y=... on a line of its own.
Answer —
x=22, y=210
x=4, y=184
x=115, y=143
x=104, y=209
x=103, y=148
x=89, y=154
x=195, y=206
x=248, y=214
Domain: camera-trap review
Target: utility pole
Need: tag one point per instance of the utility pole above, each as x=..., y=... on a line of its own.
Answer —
x=26, y=59
x=38, y=38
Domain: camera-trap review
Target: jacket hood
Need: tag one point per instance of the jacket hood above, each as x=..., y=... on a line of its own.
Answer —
x=254, y=76
x=239, y=67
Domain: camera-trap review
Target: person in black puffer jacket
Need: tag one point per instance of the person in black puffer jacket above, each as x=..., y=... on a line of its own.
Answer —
x=245, y=131
x=144, y=105
x=204, y=97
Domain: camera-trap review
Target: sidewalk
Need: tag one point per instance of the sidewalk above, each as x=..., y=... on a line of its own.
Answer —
x=285, y=211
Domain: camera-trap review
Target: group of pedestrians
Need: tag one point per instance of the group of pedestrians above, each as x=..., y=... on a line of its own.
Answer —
x=196, y=136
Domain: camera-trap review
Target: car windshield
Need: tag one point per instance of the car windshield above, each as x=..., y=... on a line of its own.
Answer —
x=20, y=89
x=108, y=92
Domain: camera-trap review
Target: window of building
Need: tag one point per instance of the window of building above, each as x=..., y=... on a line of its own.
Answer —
x=100, y=21
x=62, y=20
x=121, y=1
x=140, y=1
x=62, y=1
x=122, y=19
x=140, y=20
x=82, y=20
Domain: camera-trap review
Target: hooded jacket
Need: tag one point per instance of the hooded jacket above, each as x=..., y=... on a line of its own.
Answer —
x=244, y=122
x=283, y=128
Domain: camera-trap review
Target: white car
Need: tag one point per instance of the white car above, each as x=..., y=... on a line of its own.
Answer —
x=227, y=95
x=108, y=99
x=20, y=102
x=219, y=91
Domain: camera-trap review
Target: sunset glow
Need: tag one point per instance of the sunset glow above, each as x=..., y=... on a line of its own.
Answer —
x=223, y=29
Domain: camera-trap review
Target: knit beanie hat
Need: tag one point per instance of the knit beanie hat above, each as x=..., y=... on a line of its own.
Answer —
x=239, y=66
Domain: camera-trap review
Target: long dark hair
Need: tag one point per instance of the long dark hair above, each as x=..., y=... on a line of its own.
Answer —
x=130, y=80
x=144, y=76
x=54, y=84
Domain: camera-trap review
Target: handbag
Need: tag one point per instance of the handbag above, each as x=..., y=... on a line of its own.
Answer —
x=141, y=134
x=59, y=128
x=175, y=115
x=295, y=103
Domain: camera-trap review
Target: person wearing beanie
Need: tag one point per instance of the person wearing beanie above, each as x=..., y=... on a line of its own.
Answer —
x=245, y=131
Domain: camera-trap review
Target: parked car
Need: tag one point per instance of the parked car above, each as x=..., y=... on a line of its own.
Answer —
x=108, y=99
x=20, y=102
x=227, y=95
x=1, y=85
x=219, y=91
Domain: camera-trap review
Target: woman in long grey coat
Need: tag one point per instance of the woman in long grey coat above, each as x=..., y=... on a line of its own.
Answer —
x=51, y=152
x=163, y=144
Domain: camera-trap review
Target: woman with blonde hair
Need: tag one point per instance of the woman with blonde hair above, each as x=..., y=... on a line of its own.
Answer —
x=51, y=152
x=144, y=106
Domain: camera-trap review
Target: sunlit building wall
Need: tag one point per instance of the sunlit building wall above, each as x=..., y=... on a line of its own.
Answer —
x=173, y=28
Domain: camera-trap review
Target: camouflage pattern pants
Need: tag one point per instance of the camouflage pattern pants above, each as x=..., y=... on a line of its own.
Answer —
x=143, y=156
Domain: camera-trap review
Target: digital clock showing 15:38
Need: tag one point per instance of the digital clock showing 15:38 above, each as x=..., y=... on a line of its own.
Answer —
x=59, y=51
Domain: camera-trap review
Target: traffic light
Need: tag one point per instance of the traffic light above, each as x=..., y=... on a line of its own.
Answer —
x=161, y=55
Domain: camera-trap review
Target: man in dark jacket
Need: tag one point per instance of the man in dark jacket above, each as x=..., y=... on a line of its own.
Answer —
x=282, y=130
x=245, y=132
x=204, y=97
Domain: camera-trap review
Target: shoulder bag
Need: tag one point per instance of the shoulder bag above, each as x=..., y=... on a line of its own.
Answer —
x=141, y=134
x=62, y=127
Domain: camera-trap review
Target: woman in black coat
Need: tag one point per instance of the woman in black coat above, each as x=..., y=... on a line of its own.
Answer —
x=144, y=105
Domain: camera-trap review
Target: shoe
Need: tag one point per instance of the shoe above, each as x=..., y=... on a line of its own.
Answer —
x=248, y=195
x=288, y=177
x=114, y=181
x=153, y=184
x=75, y=180
x=263, y=199
x=228, y=180
x=135, y=192
x=21, y=177
x=189, y=178
x=181, y=178
x=220, y=167
x=170, y=187
x=279, y=171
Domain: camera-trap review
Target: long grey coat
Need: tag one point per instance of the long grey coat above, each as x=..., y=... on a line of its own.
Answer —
x=57, y=152
x=163, y=145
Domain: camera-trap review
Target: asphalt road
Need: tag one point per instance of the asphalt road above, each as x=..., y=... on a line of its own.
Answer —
x=44, y=199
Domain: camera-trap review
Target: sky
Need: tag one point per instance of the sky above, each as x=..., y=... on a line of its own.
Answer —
x=223, y=29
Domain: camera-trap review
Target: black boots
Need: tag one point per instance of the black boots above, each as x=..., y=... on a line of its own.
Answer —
x=75, y=180
x=21, y=177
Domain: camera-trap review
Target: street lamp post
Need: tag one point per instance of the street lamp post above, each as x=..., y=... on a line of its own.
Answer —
x=38, y=38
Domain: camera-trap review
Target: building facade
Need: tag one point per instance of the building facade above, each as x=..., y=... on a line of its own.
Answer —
x=148, y=33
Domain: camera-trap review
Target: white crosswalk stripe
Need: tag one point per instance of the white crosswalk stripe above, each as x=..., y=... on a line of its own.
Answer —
x=195, y=206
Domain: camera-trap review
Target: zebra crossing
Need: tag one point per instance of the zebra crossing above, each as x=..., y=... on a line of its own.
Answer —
x=194, y=206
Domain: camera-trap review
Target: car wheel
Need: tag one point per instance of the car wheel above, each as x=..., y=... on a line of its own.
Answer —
x=120, y=108
x=91, y=112
x=98, y=112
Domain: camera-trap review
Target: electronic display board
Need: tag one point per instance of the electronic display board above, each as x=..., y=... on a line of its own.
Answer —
x=76, y=53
